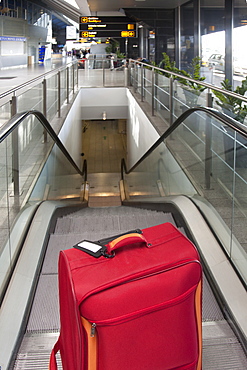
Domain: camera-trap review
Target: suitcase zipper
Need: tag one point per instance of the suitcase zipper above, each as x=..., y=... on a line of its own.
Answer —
x=137, y=314
x=140, y=276
x=93, y=327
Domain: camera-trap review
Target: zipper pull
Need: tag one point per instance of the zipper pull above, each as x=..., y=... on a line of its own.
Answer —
x=93, y=330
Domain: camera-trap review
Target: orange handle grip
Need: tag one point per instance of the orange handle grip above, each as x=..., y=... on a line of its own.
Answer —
x=125, y=240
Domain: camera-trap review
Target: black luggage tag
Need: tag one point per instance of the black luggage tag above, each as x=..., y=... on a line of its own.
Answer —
x=93, y=248
x=98, y=248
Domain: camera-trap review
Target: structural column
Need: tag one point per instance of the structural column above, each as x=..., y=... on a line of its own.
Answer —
x=197, y=28
x=229, y=16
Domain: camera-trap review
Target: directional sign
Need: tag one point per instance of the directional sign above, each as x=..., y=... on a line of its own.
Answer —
x=105, y=20
x=107, y=27
x=128, y=34
x=90, y=20
x=116, y=34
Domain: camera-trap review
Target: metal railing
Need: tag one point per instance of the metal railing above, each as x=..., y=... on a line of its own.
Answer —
x=35, y=166
x=168, y=96
x=102, y=71
x=203, y=153
x=45, y=93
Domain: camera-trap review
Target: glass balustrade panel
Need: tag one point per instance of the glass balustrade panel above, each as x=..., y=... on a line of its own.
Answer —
x=5, y=111
x=114, y=75
x=90, y=76
x=162, y=96
x=32, y=169
x=71, y=79
x=57, y=179
x=5, y=204
x=202, y=159
x=63, y=85
x=51, y=97
x=147, y=84
x=31, y=99
x=34, y=146
x=239, y=241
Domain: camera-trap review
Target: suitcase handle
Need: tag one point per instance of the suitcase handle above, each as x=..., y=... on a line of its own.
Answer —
x=125, y=240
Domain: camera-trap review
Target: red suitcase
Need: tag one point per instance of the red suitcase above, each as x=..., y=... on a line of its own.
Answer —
x=138, y=310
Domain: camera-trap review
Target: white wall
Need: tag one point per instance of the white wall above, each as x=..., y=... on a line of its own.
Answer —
x=118, y=103
x=141, y=134
x=71, y=132
x=95, y=101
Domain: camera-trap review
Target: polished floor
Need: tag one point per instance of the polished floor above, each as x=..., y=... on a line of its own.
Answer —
x=14, y=77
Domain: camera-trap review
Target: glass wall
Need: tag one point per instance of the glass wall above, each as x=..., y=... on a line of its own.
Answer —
x=217, y=55
x=33, y=13
x=213, y=40
x=239, y=34
x=213, y=22
x=187, y=35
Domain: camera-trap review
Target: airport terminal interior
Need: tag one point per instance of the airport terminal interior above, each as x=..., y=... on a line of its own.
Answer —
x=117, y=116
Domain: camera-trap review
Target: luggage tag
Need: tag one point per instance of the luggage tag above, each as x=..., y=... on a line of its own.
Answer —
x=98, y=248
x=95, y=249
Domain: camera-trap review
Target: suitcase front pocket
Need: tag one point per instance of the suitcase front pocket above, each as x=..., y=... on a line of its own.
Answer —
x=156, y=337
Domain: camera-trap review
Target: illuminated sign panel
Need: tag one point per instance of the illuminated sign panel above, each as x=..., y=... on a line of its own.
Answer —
x=105, y=19
x=128, y=34
x=107, y=27
x=90, y=20
x=107, y=34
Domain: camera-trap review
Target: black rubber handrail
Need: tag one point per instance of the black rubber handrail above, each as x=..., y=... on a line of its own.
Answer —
x=226, y=120
x=84, y=170
x=15, y=121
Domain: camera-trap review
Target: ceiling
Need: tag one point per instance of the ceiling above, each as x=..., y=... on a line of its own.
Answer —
x=62, y=8
x=115, y=5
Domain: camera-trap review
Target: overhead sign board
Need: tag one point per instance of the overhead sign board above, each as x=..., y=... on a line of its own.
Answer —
x=107, y=27
x=115, y=34
x=12, y=38
x=128, y=34
x=105, y=20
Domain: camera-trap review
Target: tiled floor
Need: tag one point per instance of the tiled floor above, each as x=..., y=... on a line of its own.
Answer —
x=103, y=146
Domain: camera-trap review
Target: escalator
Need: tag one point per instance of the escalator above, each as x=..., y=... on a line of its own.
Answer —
x=172, y=182
x=94, y=224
